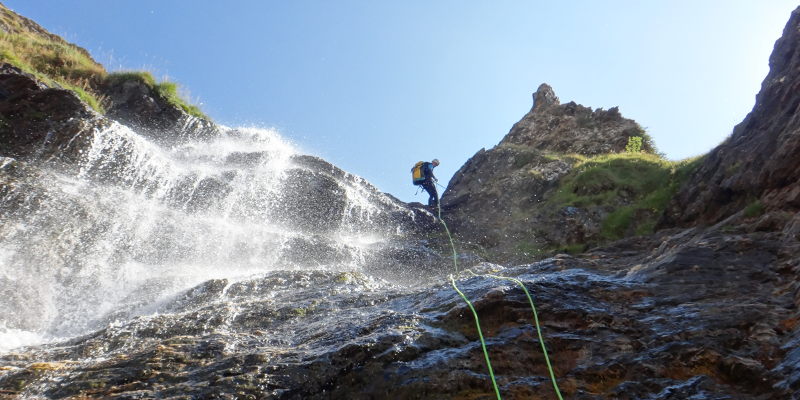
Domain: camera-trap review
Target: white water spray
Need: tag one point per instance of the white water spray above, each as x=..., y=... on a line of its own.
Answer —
x=136, y=223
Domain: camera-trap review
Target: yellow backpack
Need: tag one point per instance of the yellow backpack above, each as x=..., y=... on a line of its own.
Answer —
x=418, y=173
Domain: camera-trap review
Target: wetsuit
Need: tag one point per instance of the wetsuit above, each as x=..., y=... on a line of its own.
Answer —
x=429, y=184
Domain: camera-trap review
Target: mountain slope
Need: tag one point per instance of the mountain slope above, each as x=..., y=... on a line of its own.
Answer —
x=757, y=166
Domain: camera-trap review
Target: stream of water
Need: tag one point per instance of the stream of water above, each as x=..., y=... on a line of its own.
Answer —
x=136, y=223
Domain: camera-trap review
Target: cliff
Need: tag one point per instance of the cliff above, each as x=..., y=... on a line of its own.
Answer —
x=560, y=180
x=757, y=166
x=133, y=98
x=45, y=125
x=159, y=262
x=572, y=128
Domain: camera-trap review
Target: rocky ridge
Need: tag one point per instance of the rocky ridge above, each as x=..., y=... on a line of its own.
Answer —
x=757, y=165
x=45, y=127
x=573, y=128
x=135, y=102
x=39, y=122
x=520, y=177
x=11, y=22
x=706, y=312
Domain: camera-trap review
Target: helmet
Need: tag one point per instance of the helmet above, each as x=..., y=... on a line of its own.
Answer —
x=435, y=161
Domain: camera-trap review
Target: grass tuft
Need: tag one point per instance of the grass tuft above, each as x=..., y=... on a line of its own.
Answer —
x=58, y=63
x=52, y=61
x=116, y=78
x=636, y=186
x=166, y=89
x=754, y=209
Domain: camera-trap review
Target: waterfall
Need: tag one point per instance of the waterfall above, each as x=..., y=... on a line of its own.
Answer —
x=136, y=222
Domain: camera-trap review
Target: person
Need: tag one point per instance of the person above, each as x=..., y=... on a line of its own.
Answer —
x=429, y=184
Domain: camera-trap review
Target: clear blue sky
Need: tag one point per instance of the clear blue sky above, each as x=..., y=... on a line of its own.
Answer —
x=374, y=86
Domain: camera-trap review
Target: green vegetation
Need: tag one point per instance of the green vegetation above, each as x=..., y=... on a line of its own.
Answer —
x=634, y=145
x=574, y=248
x=300, y=312
x=60, y=64
x=54, y=62
x=754, y=209
x=167, y=90
x=568, y=158
x=733, y=168
x=116, y=78
x=648, y=144
x=529, y=249
x=636, y=187
x=524, y=157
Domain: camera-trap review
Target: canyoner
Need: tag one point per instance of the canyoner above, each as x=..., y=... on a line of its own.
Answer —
x=422, y=175
x=148, y=252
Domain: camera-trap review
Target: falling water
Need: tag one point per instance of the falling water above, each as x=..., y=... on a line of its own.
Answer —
x=136, y=222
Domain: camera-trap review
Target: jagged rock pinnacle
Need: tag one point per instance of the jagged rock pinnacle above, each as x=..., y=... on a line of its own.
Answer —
x=544, y=97
x=571, y=127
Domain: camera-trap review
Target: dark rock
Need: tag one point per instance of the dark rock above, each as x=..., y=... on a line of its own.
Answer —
x=704, y=315
x=136, y=104
x=37, y=122
x=758, y=162
x=544, y=97
x=246, y=159
x=311, y=201
x=318, y=164
x=314, y=182
x=313, y=251
x=500, y=198
x=572, y=128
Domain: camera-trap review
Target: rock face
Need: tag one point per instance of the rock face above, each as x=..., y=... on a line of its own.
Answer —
x=572, y=128
x=131, y=102
x=37, y=121
x=706, y=314
x=134, y=103
x=497, y=199
x=759, y=161
x=695, y=313
x=44, y=128
x=13, y=23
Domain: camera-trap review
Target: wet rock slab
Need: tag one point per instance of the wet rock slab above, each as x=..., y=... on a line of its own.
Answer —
x=690, y=314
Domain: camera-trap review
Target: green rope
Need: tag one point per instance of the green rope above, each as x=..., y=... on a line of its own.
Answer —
x=477, y=321
x=538, y=329
x=474, y=313
x=452, y=245
x=480, y=335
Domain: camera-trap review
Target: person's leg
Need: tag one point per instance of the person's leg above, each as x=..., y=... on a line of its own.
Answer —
x=433, y=199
